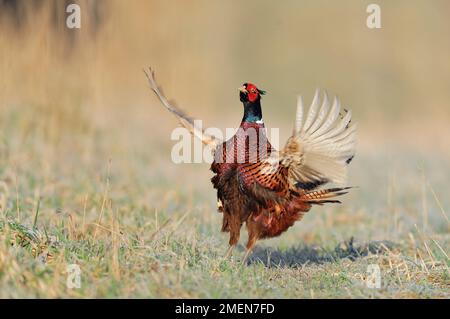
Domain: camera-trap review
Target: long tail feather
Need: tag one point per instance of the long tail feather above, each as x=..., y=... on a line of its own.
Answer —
x=323, y=196
x=185, y=120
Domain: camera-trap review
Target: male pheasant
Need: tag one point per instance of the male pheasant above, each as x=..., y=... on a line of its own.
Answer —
x=270, y=190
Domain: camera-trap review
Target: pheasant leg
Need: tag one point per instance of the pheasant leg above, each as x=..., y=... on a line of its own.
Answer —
x=250, y=244
x=229, y=251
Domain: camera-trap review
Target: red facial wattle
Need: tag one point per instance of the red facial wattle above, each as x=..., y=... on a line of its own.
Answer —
x=252, y=92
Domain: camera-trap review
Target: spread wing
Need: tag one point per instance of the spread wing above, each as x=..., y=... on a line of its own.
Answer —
x=321, y=146
x=184, y=120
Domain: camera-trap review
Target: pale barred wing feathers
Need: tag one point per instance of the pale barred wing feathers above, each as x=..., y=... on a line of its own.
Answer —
x=184, y=120
x=298, y=115
x=322, y=145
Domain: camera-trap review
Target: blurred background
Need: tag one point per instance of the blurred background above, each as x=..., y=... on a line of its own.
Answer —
x=72, y=101
x=85, y=148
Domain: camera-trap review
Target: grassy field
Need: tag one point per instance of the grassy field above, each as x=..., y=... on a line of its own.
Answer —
x=86, y=175
x=140, y=227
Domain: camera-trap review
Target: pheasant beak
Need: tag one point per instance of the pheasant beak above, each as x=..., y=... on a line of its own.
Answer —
x=243, y=89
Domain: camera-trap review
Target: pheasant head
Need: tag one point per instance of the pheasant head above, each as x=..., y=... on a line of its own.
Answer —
x=250, y=96
x=248, y=92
